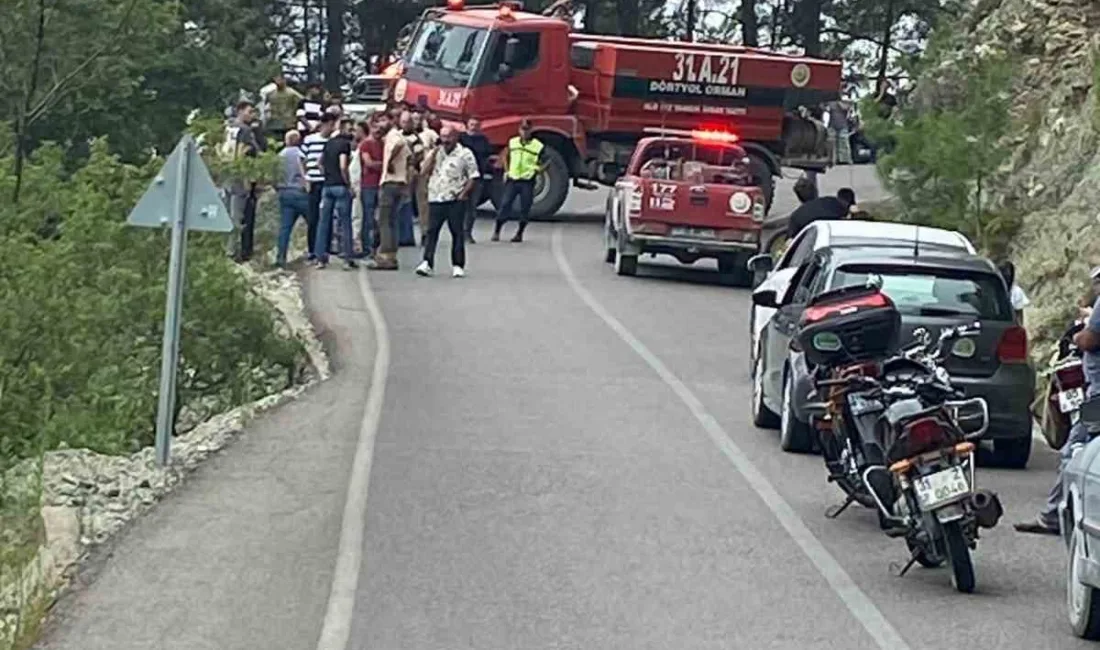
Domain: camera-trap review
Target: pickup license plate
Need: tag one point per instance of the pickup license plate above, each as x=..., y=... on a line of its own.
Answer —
x=698, y=233
x=860, y=405
x=942, y=487
x=1071, y=400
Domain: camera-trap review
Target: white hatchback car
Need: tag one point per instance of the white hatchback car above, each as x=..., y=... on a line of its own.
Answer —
x=820, y=234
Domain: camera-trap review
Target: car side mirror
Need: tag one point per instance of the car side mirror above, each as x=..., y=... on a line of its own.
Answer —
x=762, y=263
x=766, y=298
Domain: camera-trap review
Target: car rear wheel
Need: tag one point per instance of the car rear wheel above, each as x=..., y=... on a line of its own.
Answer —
x=762, y=416
x=1012, y=452
x=609, y=242
x=1082, y=601
x=794, y=436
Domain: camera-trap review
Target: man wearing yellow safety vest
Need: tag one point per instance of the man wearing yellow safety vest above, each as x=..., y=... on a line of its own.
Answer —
x=522, y=163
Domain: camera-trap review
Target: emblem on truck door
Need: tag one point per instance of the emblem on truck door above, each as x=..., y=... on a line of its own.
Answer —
x=800, y=75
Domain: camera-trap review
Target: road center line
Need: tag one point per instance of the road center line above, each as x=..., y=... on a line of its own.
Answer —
x=349, y=556
x=857, y=602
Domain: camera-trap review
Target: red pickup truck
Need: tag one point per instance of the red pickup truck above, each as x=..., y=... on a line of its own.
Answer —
x=691, y=195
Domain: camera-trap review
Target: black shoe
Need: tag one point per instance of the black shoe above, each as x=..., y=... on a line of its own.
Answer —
x=351, y=265
x=496, y=236
x=470, y=239
x=518, y=238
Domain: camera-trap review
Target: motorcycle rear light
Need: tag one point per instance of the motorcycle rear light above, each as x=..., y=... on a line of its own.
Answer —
x=814, y=314
x=924, y=433
x=1071, y=376
x=1013, y=345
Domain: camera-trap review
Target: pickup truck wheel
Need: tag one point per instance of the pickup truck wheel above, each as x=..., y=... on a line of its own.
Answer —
x=1012, y=453
x=735, y=268
x=609, y=243
x=626, y=264
x=762, y=176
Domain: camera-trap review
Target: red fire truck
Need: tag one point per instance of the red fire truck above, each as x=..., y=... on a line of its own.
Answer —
x=590, y=97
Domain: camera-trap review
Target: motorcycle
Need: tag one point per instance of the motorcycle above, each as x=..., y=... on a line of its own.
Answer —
x=933, y=501
x=1066, y=389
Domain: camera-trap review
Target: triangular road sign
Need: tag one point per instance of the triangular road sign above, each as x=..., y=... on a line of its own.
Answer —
x=205, y=208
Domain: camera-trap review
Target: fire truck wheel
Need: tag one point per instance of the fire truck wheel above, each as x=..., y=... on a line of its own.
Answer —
x=762, y=176
x=551, y=186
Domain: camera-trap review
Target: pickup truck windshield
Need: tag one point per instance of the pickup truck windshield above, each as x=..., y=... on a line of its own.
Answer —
x=934, y=292
x=445, y=54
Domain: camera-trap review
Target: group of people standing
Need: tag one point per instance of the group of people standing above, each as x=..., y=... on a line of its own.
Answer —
x=410, y=165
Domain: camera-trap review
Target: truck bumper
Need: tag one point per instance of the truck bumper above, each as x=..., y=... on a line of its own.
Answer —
x=691, y=248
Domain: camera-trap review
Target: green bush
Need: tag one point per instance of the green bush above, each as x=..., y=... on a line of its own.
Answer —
x=81, y=313
x=947, y=147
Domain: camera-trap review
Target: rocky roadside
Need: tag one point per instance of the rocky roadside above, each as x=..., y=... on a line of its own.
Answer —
x=87, y=497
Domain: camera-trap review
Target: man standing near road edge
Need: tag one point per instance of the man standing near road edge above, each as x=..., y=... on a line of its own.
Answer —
x=371, y=151
x=293, y=194
x=336, y=200
x=1088, y=341
x=244, y=144
x=313, y=146
x=522, y=163
x=396, y=159
x=478, y=143
x=451, y=171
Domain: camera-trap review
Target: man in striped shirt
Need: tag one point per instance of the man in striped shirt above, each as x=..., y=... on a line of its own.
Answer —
x=313, y=146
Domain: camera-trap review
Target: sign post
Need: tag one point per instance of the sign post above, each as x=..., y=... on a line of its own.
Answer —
x=182, y=196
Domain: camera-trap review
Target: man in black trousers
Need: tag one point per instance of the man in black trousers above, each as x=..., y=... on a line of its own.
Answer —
x=477, y=142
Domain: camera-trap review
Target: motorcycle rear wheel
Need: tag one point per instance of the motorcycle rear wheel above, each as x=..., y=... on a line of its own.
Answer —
x=962, y=568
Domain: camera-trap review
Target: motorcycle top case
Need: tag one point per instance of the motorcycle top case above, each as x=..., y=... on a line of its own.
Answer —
x=848, y=324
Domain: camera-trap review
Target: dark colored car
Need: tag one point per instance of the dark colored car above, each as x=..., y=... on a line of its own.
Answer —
x=935, y=288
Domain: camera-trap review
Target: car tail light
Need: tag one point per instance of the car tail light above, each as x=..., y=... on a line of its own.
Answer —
x=814, y=314
x=1013, y=345
x=634, y=200
x=713, y=135
x=1070, y=376
x=925, y=433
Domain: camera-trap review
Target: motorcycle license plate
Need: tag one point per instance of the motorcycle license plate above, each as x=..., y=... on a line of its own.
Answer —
x=1071, y=400
x=942, y=487
x=861, y=405
x=698, y=233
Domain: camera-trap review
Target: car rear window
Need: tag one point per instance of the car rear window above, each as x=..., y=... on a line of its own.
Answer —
x=934, y=292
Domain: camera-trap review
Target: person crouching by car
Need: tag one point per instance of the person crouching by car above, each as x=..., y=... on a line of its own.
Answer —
x=826, y=208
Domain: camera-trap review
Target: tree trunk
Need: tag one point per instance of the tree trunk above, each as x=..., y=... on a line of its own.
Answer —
x=884, y=53
x=626, y=17
x=590, y=9
x=811, y=26
x=334, y=44
x=22, y=138
x=690, y=36
x=750, y=26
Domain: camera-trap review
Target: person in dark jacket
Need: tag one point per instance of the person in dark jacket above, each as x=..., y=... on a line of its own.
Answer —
x=477, y=142
x=826, y=208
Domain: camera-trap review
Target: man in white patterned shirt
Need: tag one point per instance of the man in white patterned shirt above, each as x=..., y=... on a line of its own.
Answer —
x=451, y=170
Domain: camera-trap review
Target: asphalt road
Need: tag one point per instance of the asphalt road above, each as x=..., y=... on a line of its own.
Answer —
x=562, y=458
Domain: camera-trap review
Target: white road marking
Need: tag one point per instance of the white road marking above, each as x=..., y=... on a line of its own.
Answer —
x=857, y=602
x=349, y=556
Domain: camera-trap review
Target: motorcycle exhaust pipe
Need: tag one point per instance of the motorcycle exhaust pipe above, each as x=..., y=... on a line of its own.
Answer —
x=987, y=508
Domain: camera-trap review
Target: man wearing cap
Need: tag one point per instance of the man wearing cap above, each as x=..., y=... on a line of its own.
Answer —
x=1088, y=341
x=523, y=160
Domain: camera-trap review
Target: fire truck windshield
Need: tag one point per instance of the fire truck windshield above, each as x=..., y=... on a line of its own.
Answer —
x=445, y=54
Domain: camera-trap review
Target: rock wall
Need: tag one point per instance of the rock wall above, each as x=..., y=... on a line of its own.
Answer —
x=1053, y=175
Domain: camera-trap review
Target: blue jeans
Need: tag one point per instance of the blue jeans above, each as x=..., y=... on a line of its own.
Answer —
x=406, y=217
x=368, y=234
x=335, y=202
x=1078, y=435
x=292, y=204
